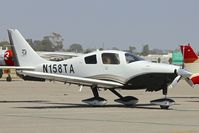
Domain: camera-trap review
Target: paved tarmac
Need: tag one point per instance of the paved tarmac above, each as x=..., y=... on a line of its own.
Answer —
x=47, y=107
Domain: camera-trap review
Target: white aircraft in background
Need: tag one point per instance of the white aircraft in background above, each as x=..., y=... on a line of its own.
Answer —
x=108, y=69
x=57, y=56
x=6, y=56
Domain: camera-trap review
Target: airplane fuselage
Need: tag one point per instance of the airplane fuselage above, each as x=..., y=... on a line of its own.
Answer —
x=138, y=74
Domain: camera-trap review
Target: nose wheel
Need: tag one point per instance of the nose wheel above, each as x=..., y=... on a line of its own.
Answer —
x=164, y=103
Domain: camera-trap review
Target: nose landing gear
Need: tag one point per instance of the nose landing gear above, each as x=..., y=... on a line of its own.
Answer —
x=164, y=103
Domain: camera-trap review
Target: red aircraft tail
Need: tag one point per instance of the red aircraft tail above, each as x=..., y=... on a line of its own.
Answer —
x=8, y=58
x=189, y=54
x=191, y=62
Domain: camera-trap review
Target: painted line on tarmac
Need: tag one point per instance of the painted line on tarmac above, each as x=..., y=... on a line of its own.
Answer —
x=187, y=110
x=104, y=120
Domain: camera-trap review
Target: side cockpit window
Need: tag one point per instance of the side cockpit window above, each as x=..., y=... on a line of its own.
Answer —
x=91, y=59
x=110, y=58
x=132, y=58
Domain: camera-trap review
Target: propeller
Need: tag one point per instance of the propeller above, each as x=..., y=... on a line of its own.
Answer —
x=182, y=73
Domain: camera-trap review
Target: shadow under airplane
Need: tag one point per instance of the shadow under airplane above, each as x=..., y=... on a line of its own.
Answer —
x=74, y=105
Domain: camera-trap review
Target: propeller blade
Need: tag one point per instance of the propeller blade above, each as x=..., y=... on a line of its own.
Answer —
x=175, y=81
x=184, y=73
x=189, y=81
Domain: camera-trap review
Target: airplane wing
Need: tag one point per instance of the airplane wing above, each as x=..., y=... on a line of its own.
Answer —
x=73, y=79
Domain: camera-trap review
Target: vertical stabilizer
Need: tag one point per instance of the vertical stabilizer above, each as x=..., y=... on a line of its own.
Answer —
x=25, y=55
x=191, y=62
x=189, y=54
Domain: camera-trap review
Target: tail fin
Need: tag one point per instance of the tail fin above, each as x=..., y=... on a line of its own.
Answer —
x=25, y=55
x=191, y=62
x=189, y=54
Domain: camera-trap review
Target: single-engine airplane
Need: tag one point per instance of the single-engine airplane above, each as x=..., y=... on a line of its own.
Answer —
x=191, y=62
x=107, y=69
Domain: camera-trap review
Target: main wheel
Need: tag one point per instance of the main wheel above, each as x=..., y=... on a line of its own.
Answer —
x=164, y=107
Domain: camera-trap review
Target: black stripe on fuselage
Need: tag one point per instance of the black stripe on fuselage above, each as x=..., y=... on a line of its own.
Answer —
x=150, y=81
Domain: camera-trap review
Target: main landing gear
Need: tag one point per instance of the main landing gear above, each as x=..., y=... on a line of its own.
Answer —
x=127, y=100
x=96, y=100
x=99, y=101
x=164, y=103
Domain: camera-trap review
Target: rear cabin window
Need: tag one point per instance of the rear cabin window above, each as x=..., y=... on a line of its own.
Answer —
x=90, y=59
x=110, y=58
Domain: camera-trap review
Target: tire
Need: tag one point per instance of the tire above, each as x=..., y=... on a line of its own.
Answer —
x=164, y=107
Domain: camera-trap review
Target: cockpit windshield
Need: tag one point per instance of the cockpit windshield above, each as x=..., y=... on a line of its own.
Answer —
x=132, y=58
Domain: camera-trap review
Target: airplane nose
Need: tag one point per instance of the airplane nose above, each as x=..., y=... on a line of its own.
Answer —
x=182, y=73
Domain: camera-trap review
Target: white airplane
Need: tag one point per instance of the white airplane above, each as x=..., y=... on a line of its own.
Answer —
x=108, y=69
